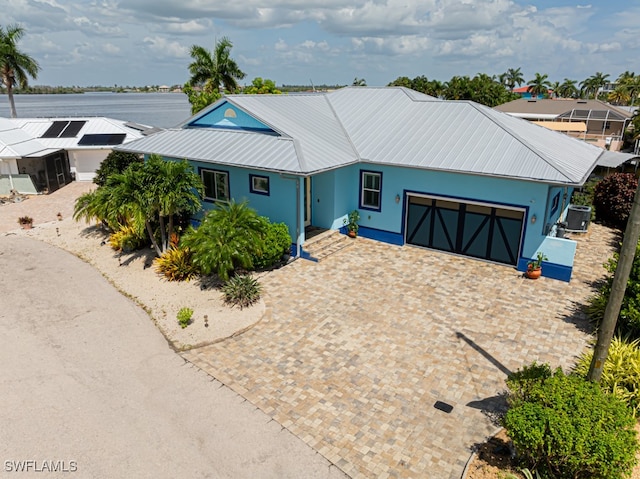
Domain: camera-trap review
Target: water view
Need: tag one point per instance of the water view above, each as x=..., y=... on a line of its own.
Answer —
x=163, y=110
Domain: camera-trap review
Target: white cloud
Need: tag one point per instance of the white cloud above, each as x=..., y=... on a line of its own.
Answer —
x=161, y=46
x=110, y=49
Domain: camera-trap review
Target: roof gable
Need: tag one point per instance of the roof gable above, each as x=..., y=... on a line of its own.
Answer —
x=228, y=116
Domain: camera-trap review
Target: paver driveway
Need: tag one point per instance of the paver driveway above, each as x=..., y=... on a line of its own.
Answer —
x=355, y=350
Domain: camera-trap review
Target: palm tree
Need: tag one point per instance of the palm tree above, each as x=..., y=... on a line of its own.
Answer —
x=591, y=86
x=228, y=238
x=216, y=68
x=555, y=88
x=514, y=77
x=568, y=88
x=15, y=66
x=145, y=196
x=619, y=96
x=539, y=85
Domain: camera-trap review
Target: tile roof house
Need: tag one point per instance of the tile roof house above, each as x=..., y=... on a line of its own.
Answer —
x=454, y=176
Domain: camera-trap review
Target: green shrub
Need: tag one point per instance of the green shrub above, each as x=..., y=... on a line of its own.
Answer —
x=115, y=162
x=184, y=317
x=276, y=243
x=241, y=290
x=227, y=239
x=613, y=197
x=176, y=264
x=566, y=427
x=621, y=372
x=126, y=239
x=628, y=323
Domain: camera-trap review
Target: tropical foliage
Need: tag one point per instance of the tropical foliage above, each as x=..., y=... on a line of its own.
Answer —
x=613, y=197
x=262, y=87
x=621, y=373
x=228, y=238
x=277, y=242
x=15, y=65
x=242, y=290
x=210, y=71
x=566, y=427
x=176, y=264
x=481, y=88
x=628, y=322
x=115, y=162
x=539, y=86
x=184, y=317
x=145, y=196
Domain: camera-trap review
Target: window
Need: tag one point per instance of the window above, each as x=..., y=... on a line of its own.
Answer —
x=216, y=185
x=259, y=184
x=555, y=203
x=371, y=187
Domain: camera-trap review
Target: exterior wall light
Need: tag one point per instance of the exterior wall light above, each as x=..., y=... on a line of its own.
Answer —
x=533, y=219
x=397, y=198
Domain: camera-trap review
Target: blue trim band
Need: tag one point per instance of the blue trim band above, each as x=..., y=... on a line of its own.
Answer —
x=549, y=270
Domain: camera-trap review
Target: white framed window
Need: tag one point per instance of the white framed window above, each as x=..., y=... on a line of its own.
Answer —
x=370, y=190
x=216, y=185
x=259, y=184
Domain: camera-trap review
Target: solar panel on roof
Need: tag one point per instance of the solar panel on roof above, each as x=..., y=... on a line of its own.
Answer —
x=55, y=129
x=73, y=129
x=102, y=139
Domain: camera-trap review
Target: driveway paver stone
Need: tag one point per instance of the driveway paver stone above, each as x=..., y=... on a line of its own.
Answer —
x=354, y=351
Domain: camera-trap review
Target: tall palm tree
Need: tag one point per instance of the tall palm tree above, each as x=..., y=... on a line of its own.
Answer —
x=539, y=85
x=216, y=68
x=228, y=238
x=555, y=88
x=514, y=77
x=568, y=88
x=15, y=66
x=591, y=86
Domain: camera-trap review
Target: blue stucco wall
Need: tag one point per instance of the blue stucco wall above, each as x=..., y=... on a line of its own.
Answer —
x=279, y=206
x=339, y=193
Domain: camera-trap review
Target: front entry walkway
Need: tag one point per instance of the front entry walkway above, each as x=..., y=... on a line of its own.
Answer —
x=355, y=350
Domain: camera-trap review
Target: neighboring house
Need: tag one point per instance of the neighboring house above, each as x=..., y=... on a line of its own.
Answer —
x=594, y=121
x=524, y=92
x=21, y=155
x=84, y=141
x=454, y=176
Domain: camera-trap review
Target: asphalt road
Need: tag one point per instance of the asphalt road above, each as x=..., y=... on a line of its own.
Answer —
x=88, y=386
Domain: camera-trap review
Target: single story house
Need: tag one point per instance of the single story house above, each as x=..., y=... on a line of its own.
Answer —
x=589, y=120
x=86, y=140
x=25, y=162
x=454, y=176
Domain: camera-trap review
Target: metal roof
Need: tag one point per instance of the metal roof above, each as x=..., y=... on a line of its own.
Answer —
x=36, y=127
x=552, y=108
x=228, y=147
x=17, y=143
x=392, y=125
x=613, y=159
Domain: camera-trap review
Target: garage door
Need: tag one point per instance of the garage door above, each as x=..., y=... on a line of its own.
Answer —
x=483, y=231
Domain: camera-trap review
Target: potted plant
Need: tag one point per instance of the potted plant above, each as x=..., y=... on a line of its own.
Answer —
x=26, y=222
x=352, y=223
x=534, y=267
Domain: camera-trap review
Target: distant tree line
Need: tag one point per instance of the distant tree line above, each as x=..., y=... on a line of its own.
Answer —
x=497, y=89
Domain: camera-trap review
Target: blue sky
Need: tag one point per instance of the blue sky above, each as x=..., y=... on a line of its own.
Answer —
x=146, y=42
